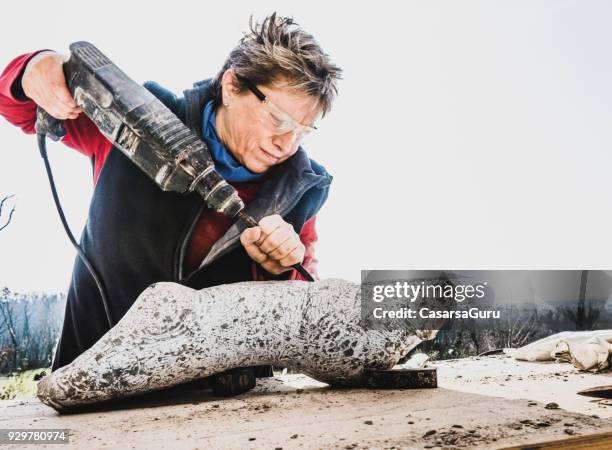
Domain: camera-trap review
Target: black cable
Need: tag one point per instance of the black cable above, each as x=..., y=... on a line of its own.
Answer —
x=42, y=146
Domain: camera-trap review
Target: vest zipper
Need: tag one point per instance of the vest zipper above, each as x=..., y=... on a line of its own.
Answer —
x=178, y=270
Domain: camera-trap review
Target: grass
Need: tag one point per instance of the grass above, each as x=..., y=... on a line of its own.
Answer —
x=20, y=385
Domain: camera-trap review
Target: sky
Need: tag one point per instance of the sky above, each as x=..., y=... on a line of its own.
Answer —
x=466, y=135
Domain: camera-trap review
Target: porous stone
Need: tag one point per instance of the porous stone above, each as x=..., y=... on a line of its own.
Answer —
x=173, y=334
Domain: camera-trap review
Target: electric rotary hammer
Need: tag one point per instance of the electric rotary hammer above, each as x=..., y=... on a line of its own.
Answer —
x=145, y=130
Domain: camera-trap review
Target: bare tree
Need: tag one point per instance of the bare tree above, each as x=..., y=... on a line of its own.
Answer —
x=49, y=330
x=10, y=214
x=8, y=312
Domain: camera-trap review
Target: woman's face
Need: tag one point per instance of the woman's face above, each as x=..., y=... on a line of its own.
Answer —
x=250, y=132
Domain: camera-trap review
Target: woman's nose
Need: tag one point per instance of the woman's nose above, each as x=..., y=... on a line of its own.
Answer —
x=285, y=142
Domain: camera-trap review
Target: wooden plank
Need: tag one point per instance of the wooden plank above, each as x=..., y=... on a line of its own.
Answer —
x=424, y=378
x=599, y=441
x=598, y=392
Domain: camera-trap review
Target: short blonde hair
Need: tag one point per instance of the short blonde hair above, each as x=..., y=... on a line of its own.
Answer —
x=278, y=48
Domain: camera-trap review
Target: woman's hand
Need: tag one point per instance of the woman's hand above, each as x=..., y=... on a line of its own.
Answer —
x=274, y=244
x=43, y=81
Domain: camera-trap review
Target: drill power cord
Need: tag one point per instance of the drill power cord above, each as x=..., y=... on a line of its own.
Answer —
x=42, y=146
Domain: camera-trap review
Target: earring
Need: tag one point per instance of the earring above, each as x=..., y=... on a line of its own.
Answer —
x=226, y=104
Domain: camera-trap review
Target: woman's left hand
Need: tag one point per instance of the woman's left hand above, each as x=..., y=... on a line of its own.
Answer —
x=274, y=244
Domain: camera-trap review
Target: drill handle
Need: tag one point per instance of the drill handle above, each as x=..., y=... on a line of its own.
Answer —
x=49, y=126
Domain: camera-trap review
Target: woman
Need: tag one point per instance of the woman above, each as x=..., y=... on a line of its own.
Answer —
x=274, y=86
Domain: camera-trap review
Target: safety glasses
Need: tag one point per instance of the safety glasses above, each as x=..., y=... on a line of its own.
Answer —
x=280, y=120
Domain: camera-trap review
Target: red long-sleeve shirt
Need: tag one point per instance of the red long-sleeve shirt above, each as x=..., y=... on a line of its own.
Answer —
x=83, y=136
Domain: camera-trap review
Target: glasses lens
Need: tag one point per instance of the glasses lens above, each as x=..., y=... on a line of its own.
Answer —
x=283, y=123
x=301, y=134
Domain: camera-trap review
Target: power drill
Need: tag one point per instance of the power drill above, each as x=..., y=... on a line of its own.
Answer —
x=146, y=131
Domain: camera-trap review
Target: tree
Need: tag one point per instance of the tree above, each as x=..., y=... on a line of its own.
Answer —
x=8, y=313
x=10, y=214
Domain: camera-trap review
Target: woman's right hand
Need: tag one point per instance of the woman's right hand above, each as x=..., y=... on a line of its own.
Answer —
x=43, y=81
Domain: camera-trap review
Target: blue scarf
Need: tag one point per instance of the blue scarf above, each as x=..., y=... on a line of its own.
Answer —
x=225, y=163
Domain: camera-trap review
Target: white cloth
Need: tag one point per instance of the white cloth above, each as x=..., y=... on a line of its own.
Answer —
x=586, y=350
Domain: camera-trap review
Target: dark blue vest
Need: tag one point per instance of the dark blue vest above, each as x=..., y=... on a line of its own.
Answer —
x=136, y=234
